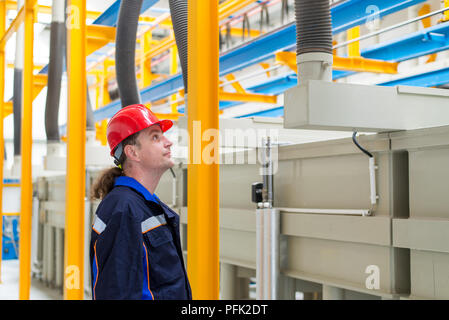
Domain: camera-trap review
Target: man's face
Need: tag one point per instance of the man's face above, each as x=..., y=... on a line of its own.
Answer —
x=154, y=151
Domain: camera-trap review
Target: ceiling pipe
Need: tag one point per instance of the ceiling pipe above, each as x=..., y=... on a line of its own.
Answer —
x=178, y=9
x=55, y=69
x=17, y=87
x=125, y=52
x=54, y=159
x=314, y=40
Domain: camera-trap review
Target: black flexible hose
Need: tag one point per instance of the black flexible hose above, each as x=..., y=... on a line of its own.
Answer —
x=17, y=110
x=55, y=69
x=313, y=26
x=354, y=135
x=178, y=11
x=57, y=60
x=128, y=18
x=17, y=87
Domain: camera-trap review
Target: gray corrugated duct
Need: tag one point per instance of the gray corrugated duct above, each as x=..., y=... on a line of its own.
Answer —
x=17, y=89
x=55, y=69
x=314, y=40
x=125, y=52
x=178, y=10
x=313, y=26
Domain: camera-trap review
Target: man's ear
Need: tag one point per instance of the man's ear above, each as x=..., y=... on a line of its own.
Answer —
x=131, y=152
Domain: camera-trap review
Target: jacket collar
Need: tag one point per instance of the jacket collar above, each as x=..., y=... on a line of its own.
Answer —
x=134, y=184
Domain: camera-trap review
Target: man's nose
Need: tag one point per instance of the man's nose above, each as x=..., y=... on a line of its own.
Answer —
x=168, y=142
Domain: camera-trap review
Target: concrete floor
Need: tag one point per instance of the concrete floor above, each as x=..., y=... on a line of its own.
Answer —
x=9, y=285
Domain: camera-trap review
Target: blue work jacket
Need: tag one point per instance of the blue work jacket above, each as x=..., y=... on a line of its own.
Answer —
x=135, y=248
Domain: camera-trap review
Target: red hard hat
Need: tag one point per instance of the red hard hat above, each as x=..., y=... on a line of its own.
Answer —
x=130, y=120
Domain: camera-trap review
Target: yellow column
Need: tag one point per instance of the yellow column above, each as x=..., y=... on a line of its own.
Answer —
x=203, y=174
x=105, y=98
x=76, y=140
x=145, y=64
x=174, y=70
x=354, y=48
x=26, y=190
x=97, y=89
x=446, y=13
x=2, y=106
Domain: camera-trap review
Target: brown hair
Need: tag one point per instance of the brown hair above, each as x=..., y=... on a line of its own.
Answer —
x=105, y=181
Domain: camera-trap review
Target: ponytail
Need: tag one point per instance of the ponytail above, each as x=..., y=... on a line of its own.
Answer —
x=105, y=183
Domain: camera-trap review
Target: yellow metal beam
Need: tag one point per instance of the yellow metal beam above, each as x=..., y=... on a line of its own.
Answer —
x=26, y=189
x=170, y=116
x=236, y=85
x=165, y=24
x=354, y=47
x=40, y=82
x=247, y=97
x=174, y=70
x=13, y=27
x=228, y=8
x=12, y=5
x=76, y=139
x=446, y=13
x=238, y=32
x=2, y=112
x=343, y=63
x=36, y=67
x=427, y=23
x=163, y=46
x=98, y=36
x=365, y=65
x=202, y=114
x=7, y=107
x=145, y=64
x=265, y=65
x=102, y=100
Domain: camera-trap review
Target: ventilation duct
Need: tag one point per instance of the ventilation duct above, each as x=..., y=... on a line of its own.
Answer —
x=178, y=10
x=313, y=40
x=128, y=18
x=17, y=86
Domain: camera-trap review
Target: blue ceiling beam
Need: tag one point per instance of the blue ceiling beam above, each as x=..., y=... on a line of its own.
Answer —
x=344, y=16
x=272, y=113
x=427, y=79
x=354, y=13
x=110, y=16
x=417, y=44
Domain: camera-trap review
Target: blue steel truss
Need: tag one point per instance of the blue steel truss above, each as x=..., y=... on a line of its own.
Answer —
x=345, y=15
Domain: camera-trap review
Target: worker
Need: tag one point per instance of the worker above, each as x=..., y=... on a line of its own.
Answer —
x=135, y=249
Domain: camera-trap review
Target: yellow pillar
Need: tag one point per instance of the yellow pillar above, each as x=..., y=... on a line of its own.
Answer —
x=2, y=106
x=354, y=48
x=104, y=98
x=26, y=189
x=203, y=174
x=446, y=13
x=174, y=70
x=146, y=76
x=76, y=140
